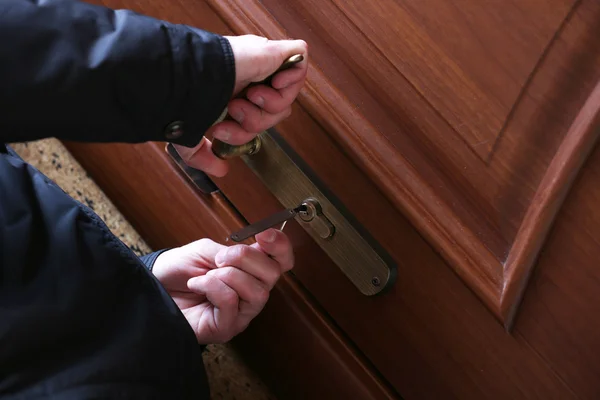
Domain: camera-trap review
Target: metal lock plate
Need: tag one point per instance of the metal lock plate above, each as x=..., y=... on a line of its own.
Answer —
x=370, y=270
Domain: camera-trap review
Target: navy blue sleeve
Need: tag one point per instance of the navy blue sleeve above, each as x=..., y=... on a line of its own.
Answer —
x=150, y=258
x=82, y=72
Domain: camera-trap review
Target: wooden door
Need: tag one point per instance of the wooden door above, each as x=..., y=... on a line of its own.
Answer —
x=453, y=132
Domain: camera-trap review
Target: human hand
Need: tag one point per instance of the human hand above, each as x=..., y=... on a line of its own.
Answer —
x=221, y=289
x=256, y=58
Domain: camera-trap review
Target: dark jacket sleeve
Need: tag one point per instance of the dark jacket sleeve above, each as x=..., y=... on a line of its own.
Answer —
x=81, y=72
x=149, y=259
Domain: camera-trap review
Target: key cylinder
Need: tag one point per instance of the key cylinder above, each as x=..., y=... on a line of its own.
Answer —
x=314, y=218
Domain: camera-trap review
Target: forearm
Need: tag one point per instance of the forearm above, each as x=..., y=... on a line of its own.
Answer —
x=81, y=72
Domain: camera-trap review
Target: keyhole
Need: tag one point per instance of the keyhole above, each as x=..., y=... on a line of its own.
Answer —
x=308, y=213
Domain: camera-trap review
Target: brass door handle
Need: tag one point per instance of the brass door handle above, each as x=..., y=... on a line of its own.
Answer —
x=224, y=150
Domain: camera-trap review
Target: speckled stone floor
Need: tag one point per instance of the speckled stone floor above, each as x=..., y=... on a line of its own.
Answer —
x=228, y=376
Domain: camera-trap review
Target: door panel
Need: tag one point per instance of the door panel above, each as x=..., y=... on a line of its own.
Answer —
x=469, y=61
x=560, y=305
x=429, y=336
x=454, y=145
x=296, y=348
x=467, y=187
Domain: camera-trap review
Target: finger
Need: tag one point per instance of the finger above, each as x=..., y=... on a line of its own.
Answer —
x=273, y=54
x=254, y=119
x=267, y=98
x=249, y=289
x=252, y=261
x=291, y=76
x=231, y=132
x=277, y=245
x=201, y=252
x=174, y=267
x=201, y=157
x=223, y=298
x=276, y=99
x=271, y=100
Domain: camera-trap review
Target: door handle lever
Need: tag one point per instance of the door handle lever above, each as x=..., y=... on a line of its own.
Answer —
x=224, y=150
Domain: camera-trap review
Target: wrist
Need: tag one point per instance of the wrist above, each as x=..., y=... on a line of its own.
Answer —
x=162, y=261
x=151, y=259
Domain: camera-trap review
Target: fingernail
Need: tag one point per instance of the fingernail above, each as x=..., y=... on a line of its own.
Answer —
x=259, y=101
x=270, y=236
x=223, y=134
x=238, y=116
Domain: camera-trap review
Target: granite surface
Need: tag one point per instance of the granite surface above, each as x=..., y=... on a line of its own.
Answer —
x=229, y=377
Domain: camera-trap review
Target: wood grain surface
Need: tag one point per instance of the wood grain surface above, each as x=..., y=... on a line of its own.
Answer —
x=291, y=343
x=562, y=171
x=385, y=105
x=381, y=138
x=431, y=338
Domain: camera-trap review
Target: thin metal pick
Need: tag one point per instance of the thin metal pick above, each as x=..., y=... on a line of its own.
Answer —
x=273, y=220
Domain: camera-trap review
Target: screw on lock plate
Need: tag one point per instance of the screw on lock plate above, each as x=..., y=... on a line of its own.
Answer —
x=309, y=212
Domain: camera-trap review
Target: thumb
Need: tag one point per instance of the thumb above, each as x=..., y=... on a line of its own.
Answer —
x=224, y=299
x=201, y=157
x=257, y=57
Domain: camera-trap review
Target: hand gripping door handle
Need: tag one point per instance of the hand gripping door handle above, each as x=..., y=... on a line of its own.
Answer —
x=226, y=151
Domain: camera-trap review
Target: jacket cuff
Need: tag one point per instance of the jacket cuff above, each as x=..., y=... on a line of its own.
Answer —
x=204, y=97
x=150, y=259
